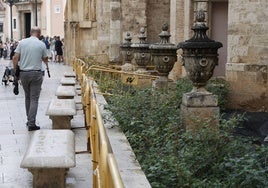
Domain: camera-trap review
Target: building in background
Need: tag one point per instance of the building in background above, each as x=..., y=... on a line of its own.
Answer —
x=2, y=19
x=99, y=26
x=49, y=15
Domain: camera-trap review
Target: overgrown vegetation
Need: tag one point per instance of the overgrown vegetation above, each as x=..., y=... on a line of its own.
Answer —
x=173, y=157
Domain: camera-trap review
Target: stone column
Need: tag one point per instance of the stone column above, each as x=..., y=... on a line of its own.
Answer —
x=19, y=24
x=177, y=14
x=39, y=20
x=115, y=30
x=73, y=33
x=22, y=26
x=181, y=20
x=66, y=53
x=32, y=15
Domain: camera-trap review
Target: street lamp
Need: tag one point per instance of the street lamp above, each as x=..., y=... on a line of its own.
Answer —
x=11, y=3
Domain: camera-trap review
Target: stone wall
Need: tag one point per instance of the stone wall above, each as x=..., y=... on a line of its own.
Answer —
x=248, y=54
x=103, y=12
x=158, y=13
x=133, y=17
x=81, y=35
x=247, y=60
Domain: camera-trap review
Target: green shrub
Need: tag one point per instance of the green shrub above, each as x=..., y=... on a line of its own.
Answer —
x=173, y=157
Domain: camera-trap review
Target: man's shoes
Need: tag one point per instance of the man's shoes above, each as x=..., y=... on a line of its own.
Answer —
x=16, y=88
x=33, y=128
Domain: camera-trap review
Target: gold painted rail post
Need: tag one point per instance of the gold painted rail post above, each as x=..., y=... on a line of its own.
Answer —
x=105, y=170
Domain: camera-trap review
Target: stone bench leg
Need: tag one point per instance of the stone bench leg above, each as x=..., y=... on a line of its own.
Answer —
x=61, y=122
x=48, y=177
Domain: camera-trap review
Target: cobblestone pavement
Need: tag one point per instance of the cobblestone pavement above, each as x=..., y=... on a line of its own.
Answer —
x=14, y=136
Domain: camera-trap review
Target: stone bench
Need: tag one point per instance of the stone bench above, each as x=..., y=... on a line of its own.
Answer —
x=49, y=156
x=61, y=112
x=68, y=81
x=65, y=92
x=69, y=74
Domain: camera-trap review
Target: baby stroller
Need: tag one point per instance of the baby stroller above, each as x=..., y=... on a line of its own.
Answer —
x=8, y=76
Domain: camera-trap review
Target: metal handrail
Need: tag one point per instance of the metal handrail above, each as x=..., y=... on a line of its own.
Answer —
x=105, y=169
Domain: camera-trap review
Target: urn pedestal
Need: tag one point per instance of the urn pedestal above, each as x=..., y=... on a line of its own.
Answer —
x=200, y=56
x=199, y=109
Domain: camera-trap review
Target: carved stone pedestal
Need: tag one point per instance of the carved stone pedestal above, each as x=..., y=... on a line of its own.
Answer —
x=61, y=122
x=49, y=178
x=199, y=109
x=160, y=83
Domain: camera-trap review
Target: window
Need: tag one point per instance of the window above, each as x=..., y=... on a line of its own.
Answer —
x=1, y=27
x=14, y=23
x=57, y=9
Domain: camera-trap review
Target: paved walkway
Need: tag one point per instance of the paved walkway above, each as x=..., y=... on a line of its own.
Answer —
x=14, y=136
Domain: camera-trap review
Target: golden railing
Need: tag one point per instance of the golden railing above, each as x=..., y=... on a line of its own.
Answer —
x=105, y=169
x=106, y=173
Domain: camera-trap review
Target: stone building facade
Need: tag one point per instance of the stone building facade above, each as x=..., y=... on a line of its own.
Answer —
x=99, y=27
x=49, y=17
x=247, y=63
x=109, y=20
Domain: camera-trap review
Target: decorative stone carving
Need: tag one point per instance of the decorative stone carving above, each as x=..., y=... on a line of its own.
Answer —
x=75, y=28
x=127, y=53
x=86, y=9
x=65, y=26
x=200, y=54
x=93, y=10
x=142, y=53
x=164, y=54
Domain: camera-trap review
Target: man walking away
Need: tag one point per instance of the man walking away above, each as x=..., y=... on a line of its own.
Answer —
x=30, y=52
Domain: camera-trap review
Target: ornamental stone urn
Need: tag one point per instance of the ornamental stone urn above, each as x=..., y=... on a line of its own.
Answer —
x=141, y=52
x=200, y=56
x=127, y=53
x=164, y=55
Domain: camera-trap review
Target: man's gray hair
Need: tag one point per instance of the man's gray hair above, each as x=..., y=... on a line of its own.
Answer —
x=36, y=30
